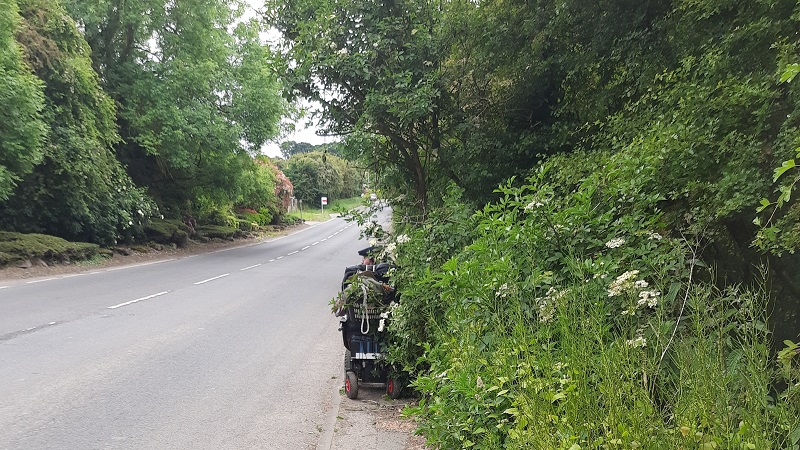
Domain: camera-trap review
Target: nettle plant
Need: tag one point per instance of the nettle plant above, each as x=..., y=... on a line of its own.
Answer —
x=574, y=320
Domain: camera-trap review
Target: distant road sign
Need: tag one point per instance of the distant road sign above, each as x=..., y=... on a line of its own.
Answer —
x=324, y=201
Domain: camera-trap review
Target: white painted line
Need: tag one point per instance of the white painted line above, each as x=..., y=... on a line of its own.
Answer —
x=214, y=278
x=3, y=287
x=329, y=237
x=40, y=281
x=271, y=260
x=335, y=233
x=138, y=265
x=248, y=268
x=315, y=243
x=138, y=300
x=292, y=253
x=280, y=257
x=305, y=248
x=52, y=323
x=323, y=240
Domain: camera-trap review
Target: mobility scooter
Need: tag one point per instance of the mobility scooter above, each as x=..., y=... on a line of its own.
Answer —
x=363, y=308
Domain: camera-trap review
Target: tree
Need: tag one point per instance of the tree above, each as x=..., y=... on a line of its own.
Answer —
x=79, y=191
x=195, y=90
x=21, y=126
x=373, y=67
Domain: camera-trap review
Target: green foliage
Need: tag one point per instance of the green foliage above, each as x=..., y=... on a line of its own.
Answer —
x=22, y=129
x=373, y=68
x=317, y=174
x=574, y=319
x=196, y=93
x=79, y=191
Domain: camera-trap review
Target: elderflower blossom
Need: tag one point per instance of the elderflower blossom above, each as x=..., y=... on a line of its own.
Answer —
x=638, y=341
x=641, y=284
x=390, y=250
x=502, y=291
x=622, y=283
x=402, y=239
x=547, y=305
x=653, y=236
x=615, y=243
x=650, y=298
x=479, y=383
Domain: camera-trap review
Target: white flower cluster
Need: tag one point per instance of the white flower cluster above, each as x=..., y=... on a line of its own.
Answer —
x=615, y=243
x=402, y=239
x=637, y=342
x=649, y=298
x=626, y=283
x=546, y=305
x=502, y=291
x=622, y=283
x=537, y=202
x=385, y=315
x=390, y=250
x=653, y=236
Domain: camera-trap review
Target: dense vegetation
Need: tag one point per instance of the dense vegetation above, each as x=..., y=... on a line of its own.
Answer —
x=634, y=281
x=120, y=113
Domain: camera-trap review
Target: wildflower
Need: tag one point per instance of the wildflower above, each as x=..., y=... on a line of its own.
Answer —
x=381, y=325
x=615, y=243
x=622, y=283
x=638, y=341
x=342, y=51
x=641, y=284
x=653, y=236
x=650, y=298
x=502, y=291
x=547, y=305
x=479, y=383
x=402, y=239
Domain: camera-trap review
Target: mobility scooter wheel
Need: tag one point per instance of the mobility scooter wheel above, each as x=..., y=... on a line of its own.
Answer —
x=393, y=388
x=351, y=384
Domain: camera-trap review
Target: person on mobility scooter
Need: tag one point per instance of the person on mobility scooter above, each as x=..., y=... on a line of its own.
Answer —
x=363, y=306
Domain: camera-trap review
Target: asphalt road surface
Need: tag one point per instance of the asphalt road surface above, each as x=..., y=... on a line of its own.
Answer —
x=235, y=349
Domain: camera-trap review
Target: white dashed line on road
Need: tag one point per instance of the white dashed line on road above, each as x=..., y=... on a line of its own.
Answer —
x=305, y=248
x=213, y=278
x=251, y=267
x=137, y=300
x=292, y=253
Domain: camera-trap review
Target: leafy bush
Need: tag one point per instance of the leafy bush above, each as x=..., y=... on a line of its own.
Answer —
x=576, y=319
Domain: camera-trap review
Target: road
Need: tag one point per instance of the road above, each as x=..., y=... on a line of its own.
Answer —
x=228, y=350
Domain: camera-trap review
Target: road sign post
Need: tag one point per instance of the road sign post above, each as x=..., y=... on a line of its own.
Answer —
x=323, y=202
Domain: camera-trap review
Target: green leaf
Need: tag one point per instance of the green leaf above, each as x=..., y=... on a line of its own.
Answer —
x=789, y=164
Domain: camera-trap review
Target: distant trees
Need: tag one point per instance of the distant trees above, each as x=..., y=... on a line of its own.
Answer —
x=317, y=174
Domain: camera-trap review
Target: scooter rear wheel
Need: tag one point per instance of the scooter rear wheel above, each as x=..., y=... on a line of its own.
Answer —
x=351, y=384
